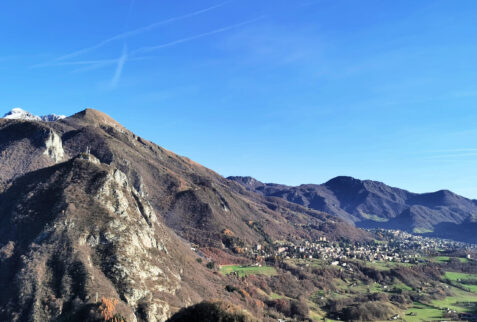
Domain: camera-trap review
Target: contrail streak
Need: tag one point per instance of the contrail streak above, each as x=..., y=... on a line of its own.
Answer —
x=187, y=39
x=84, y=62
x=137, y=31
x=119, y=69
x=92, y=64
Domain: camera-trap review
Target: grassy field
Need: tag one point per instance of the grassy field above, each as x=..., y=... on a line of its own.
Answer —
x=314, y=262
x=421, y=230
x=374, y=217
x=456, y=277
x=316, y=313
x=381, y=266
x=402, y=286
x=445, y=259
x=385, y=266
x=441, y=259
x=422, y=312
x=462, y=301
x=275, y=296
x=248, y=270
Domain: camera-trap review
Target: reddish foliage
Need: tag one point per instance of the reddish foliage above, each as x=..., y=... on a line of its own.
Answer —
x=107, y=308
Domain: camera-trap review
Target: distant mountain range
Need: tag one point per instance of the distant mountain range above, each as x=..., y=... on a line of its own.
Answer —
x=372, y=204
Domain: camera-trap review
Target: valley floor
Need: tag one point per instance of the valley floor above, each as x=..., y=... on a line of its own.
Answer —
x=455, y=299
x=438, y=283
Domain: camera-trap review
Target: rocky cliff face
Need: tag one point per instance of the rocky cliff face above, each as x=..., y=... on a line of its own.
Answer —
x=26, y=146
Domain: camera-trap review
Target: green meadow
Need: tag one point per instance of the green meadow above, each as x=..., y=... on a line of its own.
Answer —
x=248, y=270
x=459, y=277
x=422, y=312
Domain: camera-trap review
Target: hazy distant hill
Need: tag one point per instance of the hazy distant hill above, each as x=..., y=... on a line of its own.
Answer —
x=374, y=204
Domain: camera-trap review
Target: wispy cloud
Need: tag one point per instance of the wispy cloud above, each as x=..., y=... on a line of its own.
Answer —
x=453, y=150
x=465, y=93
x=94, y=64
x=86, y=62
x=138, y=54
x=148, y=49
x=119, y=68
x=452, y=156
x=459, y=154
x=98, y=65
x=138, y=31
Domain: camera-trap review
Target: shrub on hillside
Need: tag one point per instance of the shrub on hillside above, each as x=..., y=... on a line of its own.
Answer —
x=291, y=308
x=212, y=311
x=210, y=265
x=371, y=311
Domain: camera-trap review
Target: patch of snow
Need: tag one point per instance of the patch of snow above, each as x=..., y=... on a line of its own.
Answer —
x=52, y=117
x=20, y=114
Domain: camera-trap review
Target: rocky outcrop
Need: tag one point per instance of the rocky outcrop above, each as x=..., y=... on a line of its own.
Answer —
x=134, y=233
x=27, y=146
x=54, y=147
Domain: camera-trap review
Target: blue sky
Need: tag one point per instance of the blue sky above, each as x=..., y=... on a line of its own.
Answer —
x=286, y=91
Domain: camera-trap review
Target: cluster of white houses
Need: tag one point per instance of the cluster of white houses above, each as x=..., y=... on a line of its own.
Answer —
x=395, y=246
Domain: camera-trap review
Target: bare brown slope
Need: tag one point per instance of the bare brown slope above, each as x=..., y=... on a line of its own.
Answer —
x=77, y=231
x=197, y=202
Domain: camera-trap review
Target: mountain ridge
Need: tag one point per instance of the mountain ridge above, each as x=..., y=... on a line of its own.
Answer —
x=373, y=204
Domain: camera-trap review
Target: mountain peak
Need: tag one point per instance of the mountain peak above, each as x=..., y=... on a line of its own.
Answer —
x=20, y=114
x=343, y=180
x=97, y=117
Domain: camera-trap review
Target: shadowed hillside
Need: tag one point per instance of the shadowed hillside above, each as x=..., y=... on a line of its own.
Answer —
x=372, y=204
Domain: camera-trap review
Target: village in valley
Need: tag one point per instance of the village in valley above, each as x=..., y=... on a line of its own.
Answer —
x=395, y=246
